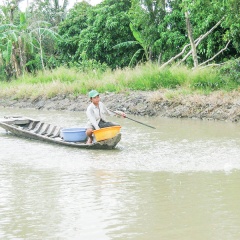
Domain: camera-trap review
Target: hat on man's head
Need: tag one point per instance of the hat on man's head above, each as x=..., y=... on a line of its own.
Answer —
x=93, y=93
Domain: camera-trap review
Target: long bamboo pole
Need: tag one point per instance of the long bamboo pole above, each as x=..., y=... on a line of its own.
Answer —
x=133, y=119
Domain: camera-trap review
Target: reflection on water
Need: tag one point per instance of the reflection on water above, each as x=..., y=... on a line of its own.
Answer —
x=179, y=181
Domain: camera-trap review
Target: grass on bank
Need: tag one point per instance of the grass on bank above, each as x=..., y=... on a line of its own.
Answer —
x=148, y=77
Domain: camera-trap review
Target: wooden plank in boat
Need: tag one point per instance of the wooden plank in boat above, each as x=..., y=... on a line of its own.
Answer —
x=38, y=127
x=45, y=129
x=32, y=125
x=57, y=133
x=51, y=131
x=15, y=121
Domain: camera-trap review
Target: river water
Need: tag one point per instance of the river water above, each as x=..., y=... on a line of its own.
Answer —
x=178, y=181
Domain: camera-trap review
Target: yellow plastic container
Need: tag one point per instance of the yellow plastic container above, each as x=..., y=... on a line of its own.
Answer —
x=106, y=133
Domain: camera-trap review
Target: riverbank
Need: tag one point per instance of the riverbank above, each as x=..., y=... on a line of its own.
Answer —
x=216, y=106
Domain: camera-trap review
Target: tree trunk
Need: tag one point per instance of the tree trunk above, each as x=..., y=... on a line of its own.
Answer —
x=40, y=47
x=15, y=62
x=150, y=55
x=190, y=36
x=197, y=42
x=22, y=55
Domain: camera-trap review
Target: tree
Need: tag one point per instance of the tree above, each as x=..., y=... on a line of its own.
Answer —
x=145, y=17
x=108, y=25
x=70, y=30
x=41, y=31
x=49, y=14
x=232, y=23
x=20, y=41
x=204, y=25
x=191, y=39
x=51, y=11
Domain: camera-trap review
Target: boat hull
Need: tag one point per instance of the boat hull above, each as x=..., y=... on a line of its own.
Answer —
x=24, y=127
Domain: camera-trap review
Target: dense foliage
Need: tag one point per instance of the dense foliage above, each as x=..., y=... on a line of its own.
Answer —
x=117, y=34
x=108, y=25
x=70, y=30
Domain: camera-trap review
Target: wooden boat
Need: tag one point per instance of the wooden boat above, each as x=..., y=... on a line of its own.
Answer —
x=36, y=129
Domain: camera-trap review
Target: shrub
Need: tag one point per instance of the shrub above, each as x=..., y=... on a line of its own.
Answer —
x=231, y=71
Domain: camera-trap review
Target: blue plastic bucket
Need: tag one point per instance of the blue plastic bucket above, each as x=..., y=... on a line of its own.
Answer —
x=74, y=134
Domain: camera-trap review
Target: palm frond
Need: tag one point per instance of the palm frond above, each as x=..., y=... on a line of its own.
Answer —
x=135, y=57
x=126, y=44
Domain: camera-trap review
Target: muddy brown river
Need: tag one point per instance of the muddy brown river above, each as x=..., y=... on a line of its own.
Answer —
x=179, y=181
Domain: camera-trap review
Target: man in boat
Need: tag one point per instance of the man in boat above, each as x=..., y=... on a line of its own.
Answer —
x=96, y=113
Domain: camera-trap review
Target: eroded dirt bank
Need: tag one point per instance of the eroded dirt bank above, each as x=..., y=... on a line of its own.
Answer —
x=217, y=106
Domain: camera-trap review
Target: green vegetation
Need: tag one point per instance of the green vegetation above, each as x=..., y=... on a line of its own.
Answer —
x=119, y=46
x=147, y=77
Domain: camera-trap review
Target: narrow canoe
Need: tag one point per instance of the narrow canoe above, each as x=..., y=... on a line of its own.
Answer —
x=36, y=129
